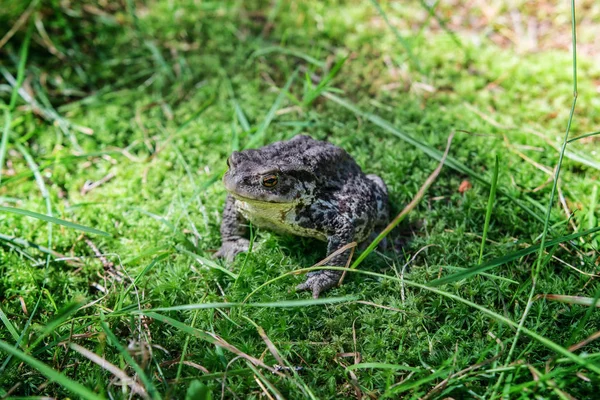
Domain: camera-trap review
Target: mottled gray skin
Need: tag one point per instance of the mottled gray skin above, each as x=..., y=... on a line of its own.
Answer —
x=320, y=192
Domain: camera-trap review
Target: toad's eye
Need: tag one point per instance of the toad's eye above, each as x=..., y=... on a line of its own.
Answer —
x=269, y=180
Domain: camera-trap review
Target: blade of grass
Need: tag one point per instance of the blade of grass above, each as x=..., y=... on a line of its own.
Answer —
x=205, y=262
x=48, y=112
x=14, y=95
x=9, y=325
x=19, y=23
x=275, y=304
x=498, y=317
x=282, y=361
x=259, y=136
x=591, y=217
x=583, y=136
x=413, y=203
x=377, y=365
x=55, y=376
x=184, y=349
x=430, y=151
x=584, y=301
x=247, y=256
x=540, y=258
x=583, y=321
x=147, y=268
x=491, y=276
x=266, y=382
x=61, y=317
x=315, y=92
x=113, y=369
x=239, y=112
x=42, y=217
x=43, y=190
x=401, y=39
x=21, y=68
x=25, y=243
x=203, y=107
x=488, y=213
x=282, y=50
x=207, y=337
x=20, y=250
x=4, y=142
x=183, y=238
x=150, y=252
x=112, y=339
x=509, y=257
x=395, y=390
x=46, y=196
x=442, y=23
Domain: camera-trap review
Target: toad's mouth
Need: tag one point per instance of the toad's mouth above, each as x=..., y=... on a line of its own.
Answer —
x=253, y=200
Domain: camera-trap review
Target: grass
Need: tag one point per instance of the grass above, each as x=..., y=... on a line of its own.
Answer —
x=110, y=200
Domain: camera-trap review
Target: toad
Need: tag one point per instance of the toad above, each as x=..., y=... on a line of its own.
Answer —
x=302, y=187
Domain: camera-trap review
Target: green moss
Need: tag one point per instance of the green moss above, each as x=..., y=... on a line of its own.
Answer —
x=155, y=94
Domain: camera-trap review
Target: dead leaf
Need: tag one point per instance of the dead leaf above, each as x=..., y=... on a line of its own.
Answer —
x=464, y=186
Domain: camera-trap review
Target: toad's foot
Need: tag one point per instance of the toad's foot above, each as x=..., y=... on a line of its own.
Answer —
x=231, y=248
x=319, y=281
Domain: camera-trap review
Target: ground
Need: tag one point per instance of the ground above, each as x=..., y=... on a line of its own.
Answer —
x=126, y=114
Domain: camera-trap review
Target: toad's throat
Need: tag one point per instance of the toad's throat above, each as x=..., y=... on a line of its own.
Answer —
x=278, y=217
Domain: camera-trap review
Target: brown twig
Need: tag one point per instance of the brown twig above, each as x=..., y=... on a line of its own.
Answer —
x=88, y=186
x=410, y=206
x=113, y=369
x=22, y=19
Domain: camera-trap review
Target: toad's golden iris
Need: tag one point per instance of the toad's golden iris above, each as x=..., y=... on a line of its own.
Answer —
x=269, y=180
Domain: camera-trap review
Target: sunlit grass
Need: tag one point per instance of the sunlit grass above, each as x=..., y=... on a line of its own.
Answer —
x=490, y=292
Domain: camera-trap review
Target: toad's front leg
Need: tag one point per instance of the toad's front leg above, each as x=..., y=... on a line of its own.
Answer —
x=319, y=281
x=233, y=230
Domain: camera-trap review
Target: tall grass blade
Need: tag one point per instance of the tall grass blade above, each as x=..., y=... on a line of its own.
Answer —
x=259, y=136
x=205, y=262
x=266, y=382
x=413, y=203
x=112, y=339
x=275, y=304
x=11, y=329
x=21, y=68
x=46, y=218
x=55, y=376
x=488, y=213
x=13, y=97
x=498, y=317
x=314, y=93
x=540, y=258
x=508, y=258
x=5, y=136
x=239, y=112
x=584, y=301
x=282, y=50
x=401, y=39
x=147, y=268
x=583, y=136
x=61, y=317
x=377, y=365
x=442, y=23
x=430, y=151
x=214, y=340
